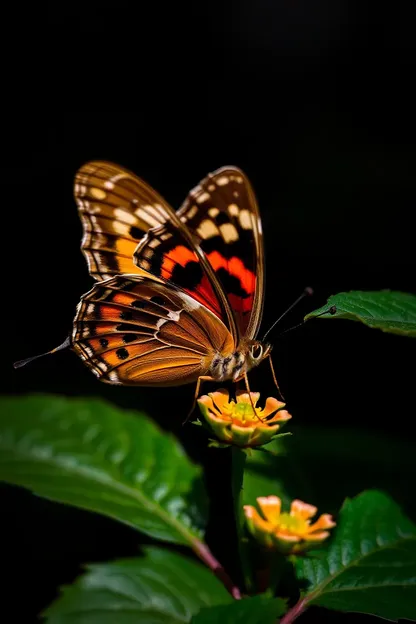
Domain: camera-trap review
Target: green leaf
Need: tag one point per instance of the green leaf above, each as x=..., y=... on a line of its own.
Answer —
x=256, y=610
x=370, y=564
x=160, y=587
x=87, y=453
x=390, y=311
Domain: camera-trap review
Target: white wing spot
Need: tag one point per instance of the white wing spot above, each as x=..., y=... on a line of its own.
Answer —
x=98, y=193
x=203, y=198
x=121, y=228
x=118, y=177
x=190, y=303
x=108, y=185
x=236, y=194
x=223, y=180
x=112, y=375
x=162, y=211
x=211, y=187
x=144, y=215
x=207, y=229
x=233, y=209
x=229, y=233
x=192, y=212
x=239, y=179
x=125, y=216
x=154, y=211
x=175, y=316
x=213, y=212
x=245, y=220
x=89, y=351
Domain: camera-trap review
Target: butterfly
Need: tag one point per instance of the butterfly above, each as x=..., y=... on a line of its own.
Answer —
x=179, y=295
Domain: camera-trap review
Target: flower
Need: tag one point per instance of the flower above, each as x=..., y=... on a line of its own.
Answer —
x=235, y=422
x=288, y=532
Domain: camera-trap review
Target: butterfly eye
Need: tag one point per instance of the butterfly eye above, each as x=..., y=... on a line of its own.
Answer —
x=257, y=351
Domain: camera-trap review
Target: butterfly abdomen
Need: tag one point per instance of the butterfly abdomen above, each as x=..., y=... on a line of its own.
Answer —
x=231, y=366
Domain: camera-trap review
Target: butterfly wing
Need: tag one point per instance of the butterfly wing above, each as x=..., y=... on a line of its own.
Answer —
x=133, y=330
x=222, y=215
x=116, y=209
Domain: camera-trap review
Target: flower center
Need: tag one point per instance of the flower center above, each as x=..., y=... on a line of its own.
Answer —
x=292, y=524
x=243, y=412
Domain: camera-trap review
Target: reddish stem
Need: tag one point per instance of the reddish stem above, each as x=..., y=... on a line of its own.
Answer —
x=294, y=612
x=208, y=558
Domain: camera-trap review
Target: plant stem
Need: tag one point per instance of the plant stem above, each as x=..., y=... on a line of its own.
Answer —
x=208, y=558
x=238, y=459
x=294, y=612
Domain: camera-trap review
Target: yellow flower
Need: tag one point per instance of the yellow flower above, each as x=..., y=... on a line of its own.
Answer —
x=288, y=532
x=235, y=422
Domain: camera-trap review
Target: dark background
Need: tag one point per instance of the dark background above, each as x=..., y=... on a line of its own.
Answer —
x=314, y=100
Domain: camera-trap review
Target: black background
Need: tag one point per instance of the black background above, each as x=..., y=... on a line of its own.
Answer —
x=314, y=100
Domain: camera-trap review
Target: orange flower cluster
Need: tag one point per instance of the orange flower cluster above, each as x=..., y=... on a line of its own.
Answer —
x=237, y=423
x=287, y=532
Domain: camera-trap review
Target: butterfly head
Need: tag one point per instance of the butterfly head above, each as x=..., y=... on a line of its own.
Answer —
x=257, y=352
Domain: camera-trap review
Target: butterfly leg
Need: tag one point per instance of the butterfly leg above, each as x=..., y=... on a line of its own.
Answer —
x=249, y=394
x=197, y=389
x=274, y=378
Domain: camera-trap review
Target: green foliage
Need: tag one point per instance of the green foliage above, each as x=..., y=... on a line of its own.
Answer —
x=390, y=311
x=87, y=453
x=92, y=455
x=256, y=610
x=370, y=565
x=160, y=587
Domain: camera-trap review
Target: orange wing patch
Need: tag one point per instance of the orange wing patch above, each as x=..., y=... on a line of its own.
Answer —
x=139, y=331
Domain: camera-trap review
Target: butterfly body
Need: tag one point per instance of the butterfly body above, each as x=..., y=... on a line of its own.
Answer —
x=233, y=366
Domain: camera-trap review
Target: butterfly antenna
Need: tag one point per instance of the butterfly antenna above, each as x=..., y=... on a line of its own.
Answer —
x=306, y=293
x=332, y=310
x=64, y=345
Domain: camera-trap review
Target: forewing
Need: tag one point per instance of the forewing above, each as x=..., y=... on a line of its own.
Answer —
x=222, y=215
x=116, y=209
x=133, y=330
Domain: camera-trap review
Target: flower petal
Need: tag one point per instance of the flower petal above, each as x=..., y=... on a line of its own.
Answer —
x=242, y=435
x=207, y=406
x=220, y=398
x=255, y=520
x=287, y=537
x=303, y=510
x=280, y=416
x=272, y=405
x=270, y=507
x=220, y=427
x=324, y=522
x=243, y=397
x=263, y=434
x=316, y=537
